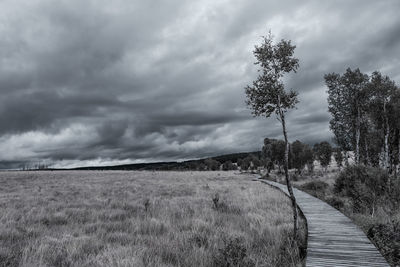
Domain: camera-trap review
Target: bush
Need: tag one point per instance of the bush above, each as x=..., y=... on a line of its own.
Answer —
x=232, y=253
x=212, y=165
x=228, y=166
x=335, y=202
x=317, y=186
x=146, y=204
x=387, y=238
x=373, y=178
x=223, y=207
x=365, y=186
x=215, y=200
x=395, y=193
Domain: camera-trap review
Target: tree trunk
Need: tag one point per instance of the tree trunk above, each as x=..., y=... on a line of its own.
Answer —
x=398, y=154
x=386, y=149
x=357, y=152
x=288, y=182
x=368, y=161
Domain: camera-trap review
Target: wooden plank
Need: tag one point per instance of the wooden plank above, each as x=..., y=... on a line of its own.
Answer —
x=333, y=239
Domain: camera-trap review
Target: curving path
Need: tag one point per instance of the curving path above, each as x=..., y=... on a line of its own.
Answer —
x=333, y=239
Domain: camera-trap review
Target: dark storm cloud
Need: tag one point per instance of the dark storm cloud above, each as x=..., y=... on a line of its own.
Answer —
x=131, y=81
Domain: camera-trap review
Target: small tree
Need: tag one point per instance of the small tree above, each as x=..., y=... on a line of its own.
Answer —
x=267, y=157
x=308, y=157
x=228, y=166
x=245, y=163
x=297, y=156
x=267, y=95
x=278, y=153
x=255, y=162
x=239, y=163
x=323, y=152
x=212, y=165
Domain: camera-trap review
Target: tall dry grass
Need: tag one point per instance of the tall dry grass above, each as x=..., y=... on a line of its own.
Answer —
x=95, y=218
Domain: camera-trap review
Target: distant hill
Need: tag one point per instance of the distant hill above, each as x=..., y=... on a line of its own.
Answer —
x=184, y=165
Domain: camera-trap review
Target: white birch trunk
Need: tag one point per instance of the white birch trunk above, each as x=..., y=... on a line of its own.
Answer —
x=386, y=150
x=398, y=154
x=357, y=152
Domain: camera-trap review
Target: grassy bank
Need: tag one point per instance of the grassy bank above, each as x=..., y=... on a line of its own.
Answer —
x=90, y=218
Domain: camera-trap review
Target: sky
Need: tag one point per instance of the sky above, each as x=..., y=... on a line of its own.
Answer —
x=114, y=82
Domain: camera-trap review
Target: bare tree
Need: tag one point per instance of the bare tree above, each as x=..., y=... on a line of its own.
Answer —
x=267, y=95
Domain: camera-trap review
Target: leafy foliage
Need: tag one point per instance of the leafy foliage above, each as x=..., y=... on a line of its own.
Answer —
x=387, y=238
x=244, y=163
x=323, y=152
x=366, y=116
x=274, y=152
x=347, y=105
x=339, y=157
x=228, y=165
x=267, y=94
x=302, y=154
x=365, y=186
x=212, y=164
x=315, y=186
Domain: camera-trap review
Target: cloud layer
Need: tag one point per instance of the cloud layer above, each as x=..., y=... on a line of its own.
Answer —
x=100, y=82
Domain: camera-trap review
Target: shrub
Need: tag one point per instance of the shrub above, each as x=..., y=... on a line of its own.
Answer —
x=365, y=186
x=223, y=207
x=245, y=163
x=371, y=177
x=199, y=239
x=335, y=202
x=232, y=253
x=228, y=165
x=395, y=193
x=212, y=165
x=387, y=238
x=317, y=186
x=146, y=204
x=323, y=152
x=215, y=200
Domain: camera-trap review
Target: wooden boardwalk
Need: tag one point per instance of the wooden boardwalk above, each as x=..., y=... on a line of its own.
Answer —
x=333, y=239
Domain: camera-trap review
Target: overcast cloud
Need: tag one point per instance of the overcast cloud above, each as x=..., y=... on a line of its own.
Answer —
x=107, y=82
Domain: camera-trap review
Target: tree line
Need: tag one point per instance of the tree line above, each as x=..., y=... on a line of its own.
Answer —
x=300, y=155
x=272, y=156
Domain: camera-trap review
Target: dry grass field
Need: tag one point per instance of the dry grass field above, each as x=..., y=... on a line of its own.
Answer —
x=116, y=218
